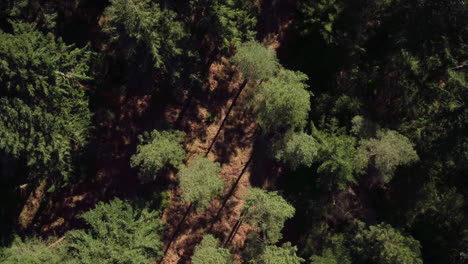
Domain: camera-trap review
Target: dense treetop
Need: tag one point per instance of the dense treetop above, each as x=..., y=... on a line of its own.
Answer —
x=158, y=150
x=200, y=182
x=44, y=114
x=347, y=134
x=255, y=61
x=209, y=251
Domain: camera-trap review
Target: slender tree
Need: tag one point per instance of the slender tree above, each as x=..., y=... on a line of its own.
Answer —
x=227, y=22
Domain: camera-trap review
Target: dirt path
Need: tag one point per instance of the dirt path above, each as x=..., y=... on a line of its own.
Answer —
x=232, y=149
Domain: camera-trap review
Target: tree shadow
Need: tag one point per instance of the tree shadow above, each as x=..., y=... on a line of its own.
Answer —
x=265, y=171
x=239, y=132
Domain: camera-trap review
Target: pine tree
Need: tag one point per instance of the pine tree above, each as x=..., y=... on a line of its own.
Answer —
x=258, y=251
x=228, y=22
x=135, y=25
x=298, y=149
x=282, y=103
x=387, y=151
x=255, y=61
x=268, y=211
x=338, y=159
x=158, y=150
x=200, y=182
x=209, y=251
x=44, y=115
x=384, y=244
x=32, y=250
x=118, y=232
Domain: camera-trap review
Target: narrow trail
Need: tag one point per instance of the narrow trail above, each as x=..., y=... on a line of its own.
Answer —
x=232, y=149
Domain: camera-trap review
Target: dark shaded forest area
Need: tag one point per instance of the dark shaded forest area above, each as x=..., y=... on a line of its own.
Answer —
x=234, y=131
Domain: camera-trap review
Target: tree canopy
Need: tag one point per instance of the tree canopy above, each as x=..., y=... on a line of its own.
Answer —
x=255, y=61
x=44, y=113
x=388, y=151
x=118, y=232
x=158, y=150
x=285, y=254
x=299, y=149
x=268, y=211
x=228, y=22
x=144, y=24
x=31, y=250
x=383, y=244
x=282, y=103
x=209, y=251
x=200, y=182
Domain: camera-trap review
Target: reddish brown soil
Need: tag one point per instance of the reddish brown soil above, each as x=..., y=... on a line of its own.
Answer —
x=116, y=143
x=232, y=149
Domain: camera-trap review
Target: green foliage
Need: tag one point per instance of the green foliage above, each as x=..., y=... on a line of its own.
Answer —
x=229, y=22
x=334, y=253
x=363, y=127
x=33, y=251
x=260, y=252
x=387, y=151
x=144, y=24
x=299, y=149
x=199, y=181
x=255, y=61
x=44, y=115
x=209, y=251
x=158, y=150
x=282, y=102
x=267, y=210
x=285, y=254
x=320, y=16
x=338, y=159
x=118, y=232
x=385, y=245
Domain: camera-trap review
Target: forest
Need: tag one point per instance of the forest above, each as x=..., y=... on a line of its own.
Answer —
x=234, y=131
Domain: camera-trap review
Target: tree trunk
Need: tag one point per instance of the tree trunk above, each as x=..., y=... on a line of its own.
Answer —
x=32, y=205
